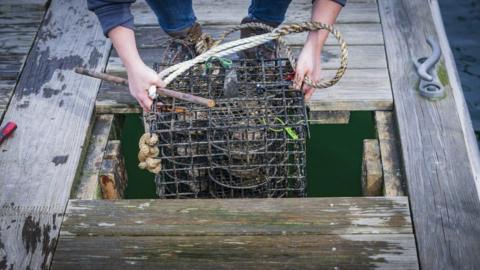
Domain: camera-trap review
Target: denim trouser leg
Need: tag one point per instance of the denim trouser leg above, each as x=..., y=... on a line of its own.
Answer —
x=271, y=11
x=177, y=15
x=173, y=15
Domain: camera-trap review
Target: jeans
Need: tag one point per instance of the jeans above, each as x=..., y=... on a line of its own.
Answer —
x=178, y=15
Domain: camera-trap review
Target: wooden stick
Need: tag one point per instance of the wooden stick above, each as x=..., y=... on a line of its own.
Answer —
x=162, y=91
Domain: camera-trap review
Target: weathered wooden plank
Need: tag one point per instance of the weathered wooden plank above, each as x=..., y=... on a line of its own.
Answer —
x=313, y=233
x=16, y=38
x=16, y=42
x=360, y=57
x=329, y=117
x=464, y=115
x=231, y=12
x=393, y=182
x=238, y=252
x=372, y=174
x=88, y=187
x=441, y=185
x=9, y=71
x=354, y=34
x=52, y=107
x=21, y=14
x=112, y=176
x=237, y=216
x=150, y=40
x=116, y=99
x=20, y=28
x=360, y=89
x=26, y=2
x=6, y=90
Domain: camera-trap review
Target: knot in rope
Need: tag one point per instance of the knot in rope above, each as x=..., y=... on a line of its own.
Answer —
x=204, y=43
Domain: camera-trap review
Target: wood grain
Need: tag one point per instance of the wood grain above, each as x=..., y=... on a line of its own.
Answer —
x=358, y=22
x=328, y=117
x=313, y=233
x=393, y=182
x=372, y=174
x=18, y=13
x=19, y=22
x=238, y=217
x=231, y=12
x=464, y=115
x=441, y=185
x=87, y=187
x=239, y=252
x=112, y=176
x=359, y=89
x=52, y=108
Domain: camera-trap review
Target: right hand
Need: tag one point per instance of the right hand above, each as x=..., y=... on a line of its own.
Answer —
x=140, y=78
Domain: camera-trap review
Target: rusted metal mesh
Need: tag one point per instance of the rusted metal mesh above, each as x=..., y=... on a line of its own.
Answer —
x=252, y=144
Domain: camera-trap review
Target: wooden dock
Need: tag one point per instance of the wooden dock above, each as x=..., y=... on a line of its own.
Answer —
x=423, y=165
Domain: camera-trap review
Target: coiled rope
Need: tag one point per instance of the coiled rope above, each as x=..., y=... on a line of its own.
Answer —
x=208, y=48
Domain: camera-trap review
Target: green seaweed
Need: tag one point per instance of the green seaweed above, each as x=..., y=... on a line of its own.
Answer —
x=443, y=74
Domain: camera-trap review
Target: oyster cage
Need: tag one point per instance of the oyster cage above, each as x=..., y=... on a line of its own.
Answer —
x=251, y=144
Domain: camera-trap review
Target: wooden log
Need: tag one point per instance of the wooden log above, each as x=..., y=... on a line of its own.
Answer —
x=393, y=182
x=112, y=176
x=52, y=107
x=294, y=233
x=88, y=187
x=372, y=174
x=329, y=117
x=437, y=166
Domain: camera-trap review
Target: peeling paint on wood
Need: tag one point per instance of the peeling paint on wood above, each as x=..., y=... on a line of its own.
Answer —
x=58, y=160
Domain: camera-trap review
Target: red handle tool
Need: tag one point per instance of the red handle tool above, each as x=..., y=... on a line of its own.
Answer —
x=7, y=130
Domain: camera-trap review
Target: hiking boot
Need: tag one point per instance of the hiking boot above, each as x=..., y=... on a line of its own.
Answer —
x=181, y=46
x=267, y=51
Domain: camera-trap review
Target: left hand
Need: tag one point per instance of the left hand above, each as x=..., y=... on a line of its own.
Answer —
x=308, y=64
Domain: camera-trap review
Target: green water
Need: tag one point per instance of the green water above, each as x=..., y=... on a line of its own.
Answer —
x=334, y=155
x=140, y=182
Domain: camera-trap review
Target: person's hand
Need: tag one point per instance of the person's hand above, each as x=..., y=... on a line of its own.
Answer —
x=140, y=78
x=308, y=64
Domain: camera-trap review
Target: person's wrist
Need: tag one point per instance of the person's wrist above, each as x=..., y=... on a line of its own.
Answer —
x=314, y=44
x=132, y=64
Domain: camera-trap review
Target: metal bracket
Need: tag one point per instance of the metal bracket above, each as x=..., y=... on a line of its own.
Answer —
x=430, y=86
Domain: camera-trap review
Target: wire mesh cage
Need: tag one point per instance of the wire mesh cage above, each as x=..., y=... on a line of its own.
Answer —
x=251, y=144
